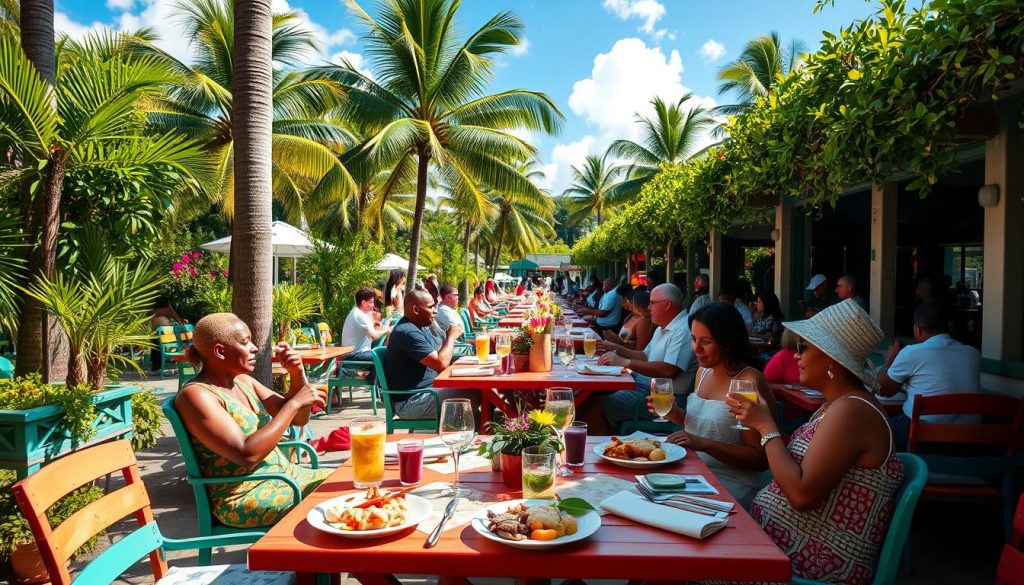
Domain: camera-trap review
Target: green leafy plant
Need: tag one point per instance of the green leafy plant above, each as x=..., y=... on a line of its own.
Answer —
x=145, y=420
x=293, y=303
x=216, y=298
x=521, y=342
x=337, y=268
x=512, y=435
x=14, y=529
x=29, y=391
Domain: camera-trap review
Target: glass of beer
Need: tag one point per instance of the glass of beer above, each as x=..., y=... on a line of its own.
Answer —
x=368, y=436
x=483, y=346
x=746, y=389
x=589, y=344
x=503, y=347
x=662, y=397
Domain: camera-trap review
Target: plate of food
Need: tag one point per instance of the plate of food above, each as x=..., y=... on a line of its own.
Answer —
x=370, y=515
x=639, y=453
x=533, y=524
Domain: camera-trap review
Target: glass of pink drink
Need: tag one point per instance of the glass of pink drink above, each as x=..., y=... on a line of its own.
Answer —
x=410, y=461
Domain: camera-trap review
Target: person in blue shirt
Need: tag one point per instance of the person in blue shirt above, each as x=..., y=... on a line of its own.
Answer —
x=608, y=313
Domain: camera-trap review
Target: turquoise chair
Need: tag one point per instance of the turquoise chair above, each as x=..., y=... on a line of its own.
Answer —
x=168, y=344
x=36, y=493
x=186, y=372
x=379, y=354
x=208, y=525
x=184, y=334
x=915, y=476
x=6, y=369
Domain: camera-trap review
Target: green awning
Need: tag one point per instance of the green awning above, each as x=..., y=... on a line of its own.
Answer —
x=523, y=265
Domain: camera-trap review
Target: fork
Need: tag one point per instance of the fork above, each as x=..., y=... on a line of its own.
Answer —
x=712, y=505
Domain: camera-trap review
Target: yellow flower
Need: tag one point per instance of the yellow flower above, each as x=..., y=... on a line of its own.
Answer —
x=542, y=418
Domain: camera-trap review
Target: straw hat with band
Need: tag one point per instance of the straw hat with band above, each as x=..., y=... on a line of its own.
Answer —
x=845, y=333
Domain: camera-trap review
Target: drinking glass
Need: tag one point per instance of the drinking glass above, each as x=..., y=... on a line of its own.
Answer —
x=410, y=461
x=561, y=403
x=589, y=344
x=457, y=430
x=368, y=436
x=560, y=322
x=662, y=397
x=539, y=473
x=566, y=353
x=575, y=443
x=483, y=347
x=503, y=347
x=747, y=389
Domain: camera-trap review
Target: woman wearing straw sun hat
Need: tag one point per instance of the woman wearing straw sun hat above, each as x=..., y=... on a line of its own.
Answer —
x=829, y=503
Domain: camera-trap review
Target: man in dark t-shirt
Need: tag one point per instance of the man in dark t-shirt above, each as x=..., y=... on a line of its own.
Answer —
x=414, y=358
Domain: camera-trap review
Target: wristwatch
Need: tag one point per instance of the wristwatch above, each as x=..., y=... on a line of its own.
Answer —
x=769, y=437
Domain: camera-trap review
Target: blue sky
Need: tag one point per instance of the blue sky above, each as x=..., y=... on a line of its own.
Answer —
x=599, y=60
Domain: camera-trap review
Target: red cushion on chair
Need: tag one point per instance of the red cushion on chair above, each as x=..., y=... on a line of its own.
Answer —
x=338, y=440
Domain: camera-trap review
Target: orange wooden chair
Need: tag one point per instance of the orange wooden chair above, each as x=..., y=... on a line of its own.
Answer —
x=37, y=492
x=1011, y=563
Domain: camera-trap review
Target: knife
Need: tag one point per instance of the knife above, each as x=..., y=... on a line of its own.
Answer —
x=449, y=511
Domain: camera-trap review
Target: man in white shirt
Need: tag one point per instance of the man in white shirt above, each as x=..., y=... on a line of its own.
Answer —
x=668, y=355
x=608, y=314
x=447, y=301
x=936, y=364
x=359, y=330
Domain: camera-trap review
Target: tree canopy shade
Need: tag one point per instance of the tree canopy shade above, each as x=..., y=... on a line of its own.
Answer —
x=882, y=96
x=426, y=103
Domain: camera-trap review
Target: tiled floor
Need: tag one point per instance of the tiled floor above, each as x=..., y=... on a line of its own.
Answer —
x=954, y=545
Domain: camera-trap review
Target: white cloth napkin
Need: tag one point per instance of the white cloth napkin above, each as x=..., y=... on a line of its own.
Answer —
x=459, y=372
x=598, y=370
x=632, y=506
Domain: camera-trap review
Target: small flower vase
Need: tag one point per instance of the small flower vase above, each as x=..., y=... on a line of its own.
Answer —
x=540, y=353
x=512, y=470
x=520, y=362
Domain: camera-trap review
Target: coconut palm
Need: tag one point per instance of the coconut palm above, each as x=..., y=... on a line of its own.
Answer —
x=252, y=88
x=88, y=119
x=426, y=102
x=677, y=132
x=525, y=217
x=305, y=166
x=757, y=70
x=592, y=186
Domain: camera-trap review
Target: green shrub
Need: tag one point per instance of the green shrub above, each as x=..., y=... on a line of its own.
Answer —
x=29, y=392
x=145, y=420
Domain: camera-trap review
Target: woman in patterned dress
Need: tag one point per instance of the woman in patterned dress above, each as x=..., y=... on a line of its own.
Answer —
x=831, y=500
x=235, y=423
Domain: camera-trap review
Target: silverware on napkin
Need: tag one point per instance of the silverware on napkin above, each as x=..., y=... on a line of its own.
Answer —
x=449, y=511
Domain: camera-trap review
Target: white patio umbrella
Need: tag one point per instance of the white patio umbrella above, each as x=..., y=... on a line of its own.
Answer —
x=393, y=261
x=287, y=241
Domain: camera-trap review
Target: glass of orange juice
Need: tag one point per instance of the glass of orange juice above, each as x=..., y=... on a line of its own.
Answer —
x=368, y=436
x=589, y=344
x=747, y=389
x=483, y=347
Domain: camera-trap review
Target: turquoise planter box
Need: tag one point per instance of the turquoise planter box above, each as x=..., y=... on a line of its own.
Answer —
x=32, y=438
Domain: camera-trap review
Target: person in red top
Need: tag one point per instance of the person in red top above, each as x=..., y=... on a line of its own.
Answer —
x=782, y=368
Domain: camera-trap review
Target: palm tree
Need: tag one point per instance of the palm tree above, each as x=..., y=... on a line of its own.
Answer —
x=427, y=100
x=524, y=215
x=253, y=113
x=756, y=71
x=592, y=187
x=88, y=119
x=671, y=137
x=306, y=141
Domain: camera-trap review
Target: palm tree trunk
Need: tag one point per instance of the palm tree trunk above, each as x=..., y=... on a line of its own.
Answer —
x=39, y=336
x=501, y=236
x=464, y=285
x=252, y=115
x=417, y=221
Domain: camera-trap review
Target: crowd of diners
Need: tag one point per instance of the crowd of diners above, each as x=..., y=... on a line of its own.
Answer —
x=825, y=496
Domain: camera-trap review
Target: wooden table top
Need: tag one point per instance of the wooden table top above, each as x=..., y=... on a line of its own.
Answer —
x=791, y=394
x=558, y=376
x=620, y=549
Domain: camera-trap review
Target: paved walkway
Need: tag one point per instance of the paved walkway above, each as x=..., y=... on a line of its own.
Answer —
x=952, y=545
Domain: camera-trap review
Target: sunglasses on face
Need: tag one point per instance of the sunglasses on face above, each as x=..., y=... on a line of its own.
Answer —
x=800, y=346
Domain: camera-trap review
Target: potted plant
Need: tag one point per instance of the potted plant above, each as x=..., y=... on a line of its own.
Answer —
x=512, y=435
x=539, y=322
x=521, y=344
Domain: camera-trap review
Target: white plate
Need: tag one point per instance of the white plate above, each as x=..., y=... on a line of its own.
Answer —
x=586, y=525
x=417, y=510
x=673, y=453
x=472, y=359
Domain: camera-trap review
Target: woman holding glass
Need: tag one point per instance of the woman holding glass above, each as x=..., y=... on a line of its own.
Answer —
x=726, y=360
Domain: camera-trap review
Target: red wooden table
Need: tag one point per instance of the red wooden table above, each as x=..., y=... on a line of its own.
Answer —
x=559, y=375
x=620, y=549
x=793, y=396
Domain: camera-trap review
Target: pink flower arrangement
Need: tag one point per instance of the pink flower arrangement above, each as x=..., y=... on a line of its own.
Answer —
x=197, y=255
x=177, y=268
x=541, y=318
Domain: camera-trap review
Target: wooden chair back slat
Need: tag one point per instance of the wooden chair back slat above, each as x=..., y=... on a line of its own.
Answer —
x=992, y=406
x=988, y=405
x=57, y=480
x=973, y=434
x=78, y=528
x=118, y=557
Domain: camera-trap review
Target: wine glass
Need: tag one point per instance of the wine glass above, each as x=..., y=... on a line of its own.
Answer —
x=566, y=353
x=561, y=403
x=662, y=397
x=457, y=430
x=745, y=388
x=503, y=347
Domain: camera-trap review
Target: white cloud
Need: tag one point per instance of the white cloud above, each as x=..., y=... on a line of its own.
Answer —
x=521, y=49
x=558, y=172
x=355, y=59
x=712, y=50
x=163, y=17
x=120, y=4
x=63, y=24
x=650, y=11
